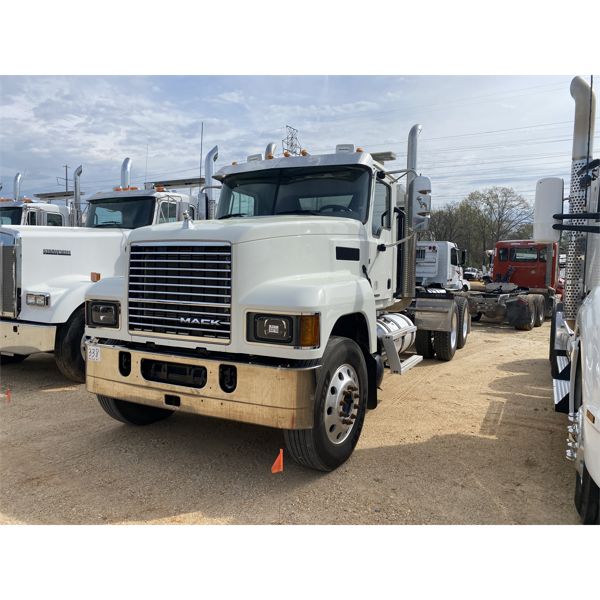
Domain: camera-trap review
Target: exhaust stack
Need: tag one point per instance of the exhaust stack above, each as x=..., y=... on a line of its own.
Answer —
x=270, y=150
x=126, y=174
x=583, y=130
x=17, y=186
x=209, y=162
x=76, y=215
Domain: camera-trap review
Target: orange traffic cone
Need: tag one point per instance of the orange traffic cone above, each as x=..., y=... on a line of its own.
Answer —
x=278, y=464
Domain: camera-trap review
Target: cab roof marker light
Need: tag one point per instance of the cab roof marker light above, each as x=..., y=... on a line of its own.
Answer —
x=254, y=157
x=344, y=149
x=304, y=152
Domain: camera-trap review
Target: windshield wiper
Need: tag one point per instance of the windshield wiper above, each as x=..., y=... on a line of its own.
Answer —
x=298, y=211
x=232, y=215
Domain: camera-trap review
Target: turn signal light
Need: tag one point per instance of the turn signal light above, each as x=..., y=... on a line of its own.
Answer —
x=95, y=277
x=309, y=331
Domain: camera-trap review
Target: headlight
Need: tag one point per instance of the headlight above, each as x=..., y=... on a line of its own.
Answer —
x=37, y=299
x=102, y=313
x=291, y=330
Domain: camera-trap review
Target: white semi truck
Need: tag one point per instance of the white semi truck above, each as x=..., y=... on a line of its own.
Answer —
x=440, y=264
x=575, y=338
x=19, y=210
x=45, y=272
x=282, y=312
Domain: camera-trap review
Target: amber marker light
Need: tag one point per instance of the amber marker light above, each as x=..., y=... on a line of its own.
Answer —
x=95, y=277
x=309, y=331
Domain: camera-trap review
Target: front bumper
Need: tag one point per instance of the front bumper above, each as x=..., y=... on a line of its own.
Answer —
x=276, y=397
x=26, y=338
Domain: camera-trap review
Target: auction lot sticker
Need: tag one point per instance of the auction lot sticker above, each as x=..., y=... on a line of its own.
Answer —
x=93, y=353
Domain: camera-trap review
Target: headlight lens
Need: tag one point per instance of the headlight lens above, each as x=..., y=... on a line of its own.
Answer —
x=102, y=313
x=37, y=299
x=292, y=330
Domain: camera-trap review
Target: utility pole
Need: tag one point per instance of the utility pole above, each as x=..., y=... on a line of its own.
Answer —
x=65, y=178
x=290, y=143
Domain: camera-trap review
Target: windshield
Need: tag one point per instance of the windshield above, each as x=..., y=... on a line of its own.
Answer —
x=339, y=192
x=10, y=215
x=126, y=213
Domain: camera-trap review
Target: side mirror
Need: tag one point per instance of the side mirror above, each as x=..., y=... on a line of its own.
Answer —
x=463, y=257
x=419, y=203
x=549, y=193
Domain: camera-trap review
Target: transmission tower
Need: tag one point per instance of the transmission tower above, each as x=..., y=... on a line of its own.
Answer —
x=291, y=143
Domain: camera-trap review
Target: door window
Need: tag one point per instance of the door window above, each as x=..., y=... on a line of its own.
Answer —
x=31, y=218
x=54, y=220
x=381, y=208
x=168, y=212
x=454, y=257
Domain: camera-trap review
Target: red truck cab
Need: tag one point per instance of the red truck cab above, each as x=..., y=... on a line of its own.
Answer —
x=527, y=264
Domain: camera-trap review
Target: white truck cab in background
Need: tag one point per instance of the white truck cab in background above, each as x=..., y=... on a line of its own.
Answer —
x=19, y=210
x=46, y=272
x=440, y=265
x=574, y=338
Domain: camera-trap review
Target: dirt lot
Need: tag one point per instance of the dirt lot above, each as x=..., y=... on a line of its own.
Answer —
x=475, y=440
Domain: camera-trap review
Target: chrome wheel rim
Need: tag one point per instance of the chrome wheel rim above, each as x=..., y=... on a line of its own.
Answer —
x=82, y=347
x=454, y=331
x=341, y=404
x=465, y=325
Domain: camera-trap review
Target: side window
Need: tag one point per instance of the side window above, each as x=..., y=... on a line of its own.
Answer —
x=54, y=220
x=503, y=254
x=242, y=204
x=381, y=208
x=168, y=212
x=192, y=212
x=454, y=257
x=31, y=218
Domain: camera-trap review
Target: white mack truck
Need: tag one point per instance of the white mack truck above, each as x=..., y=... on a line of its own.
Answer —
x=45, y=272
x=440, y=265
x=282, y=311
x=25, y=211
x=575, y=327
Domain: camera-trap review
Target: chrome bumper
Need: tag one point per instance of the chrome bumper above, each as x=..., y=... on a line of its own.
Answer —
x=26, y=338
x=275, y=397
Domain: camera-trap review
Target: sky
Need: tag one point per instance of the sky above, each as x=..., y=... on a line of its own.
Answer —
x=478, y=131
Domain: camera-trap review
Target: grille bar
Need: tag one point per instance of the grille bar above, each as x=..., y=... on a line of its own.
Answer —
x=181, y=290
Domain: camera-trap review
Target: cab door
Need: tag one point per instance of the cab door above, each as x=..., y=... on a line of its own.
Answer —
x=381, y=265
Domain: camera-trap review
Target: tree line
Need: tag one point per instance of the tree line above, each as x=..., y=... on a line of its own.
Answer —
x=481, y=219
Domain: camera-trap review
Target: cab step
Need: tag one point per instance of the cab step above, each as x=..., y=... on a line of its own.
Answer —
x=561, y=395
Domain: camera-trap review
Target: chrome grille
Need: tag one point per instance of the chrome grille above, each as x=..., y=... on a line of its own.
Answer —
x=181, y=290
x=8, y=276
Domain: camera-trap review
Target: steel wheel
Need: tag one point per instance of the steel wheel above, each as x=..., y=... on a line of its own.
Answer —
x=341, y=404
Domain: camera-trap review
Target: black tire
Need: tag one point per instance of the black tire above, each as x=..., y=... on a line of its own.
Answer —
x=11, y=359
x=67, y=348
x=540, y=310
x=530, y=322
x=313, y=448
x=587, y=498
x=131, y=413
x=424, y=343
x=463, y=321
x=476, y=317
x=445, y=342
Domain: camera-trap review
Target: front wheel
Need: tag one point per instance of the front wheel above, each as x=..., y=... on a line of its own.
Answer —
x=68, y=347
x=131, y=413
x=339, y=412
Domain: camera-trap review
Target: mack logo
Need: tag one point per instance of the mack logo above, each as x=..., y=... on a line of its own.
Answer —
x=192, y=321
x=56, y=252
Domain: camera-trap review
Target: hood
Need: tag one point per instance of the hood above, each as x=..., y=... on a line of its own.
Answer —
x=62, y=235
x=248, y=229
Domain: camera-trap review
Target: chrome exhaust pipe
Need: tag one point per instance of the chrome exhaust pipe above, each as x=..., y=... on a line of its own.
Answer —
x=77, y=196
x=209, y=162
x=270, y=150
x=411, y=153
x=583, y=130
x=17, y=186
x=126, y=174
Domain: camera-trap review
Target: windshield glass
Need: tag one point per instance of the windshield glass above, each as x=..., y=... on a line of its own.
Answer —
x=126, y=213
x=10, y=215
x=527, y=254
x=339, y=192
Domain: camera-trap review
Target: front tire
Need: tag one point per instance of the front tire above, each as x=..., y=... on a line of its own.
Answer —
x=339, y=412
x=131, y=413
x=445, y=342
x=67, y=348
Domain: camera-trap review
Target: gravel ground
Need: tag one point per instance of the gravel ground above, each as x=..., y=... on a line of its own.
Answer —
x=474, y=440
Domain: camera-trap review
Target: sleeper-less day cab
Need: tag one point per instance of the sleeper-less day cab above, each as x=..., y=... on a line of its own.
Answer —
x=280, y=312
